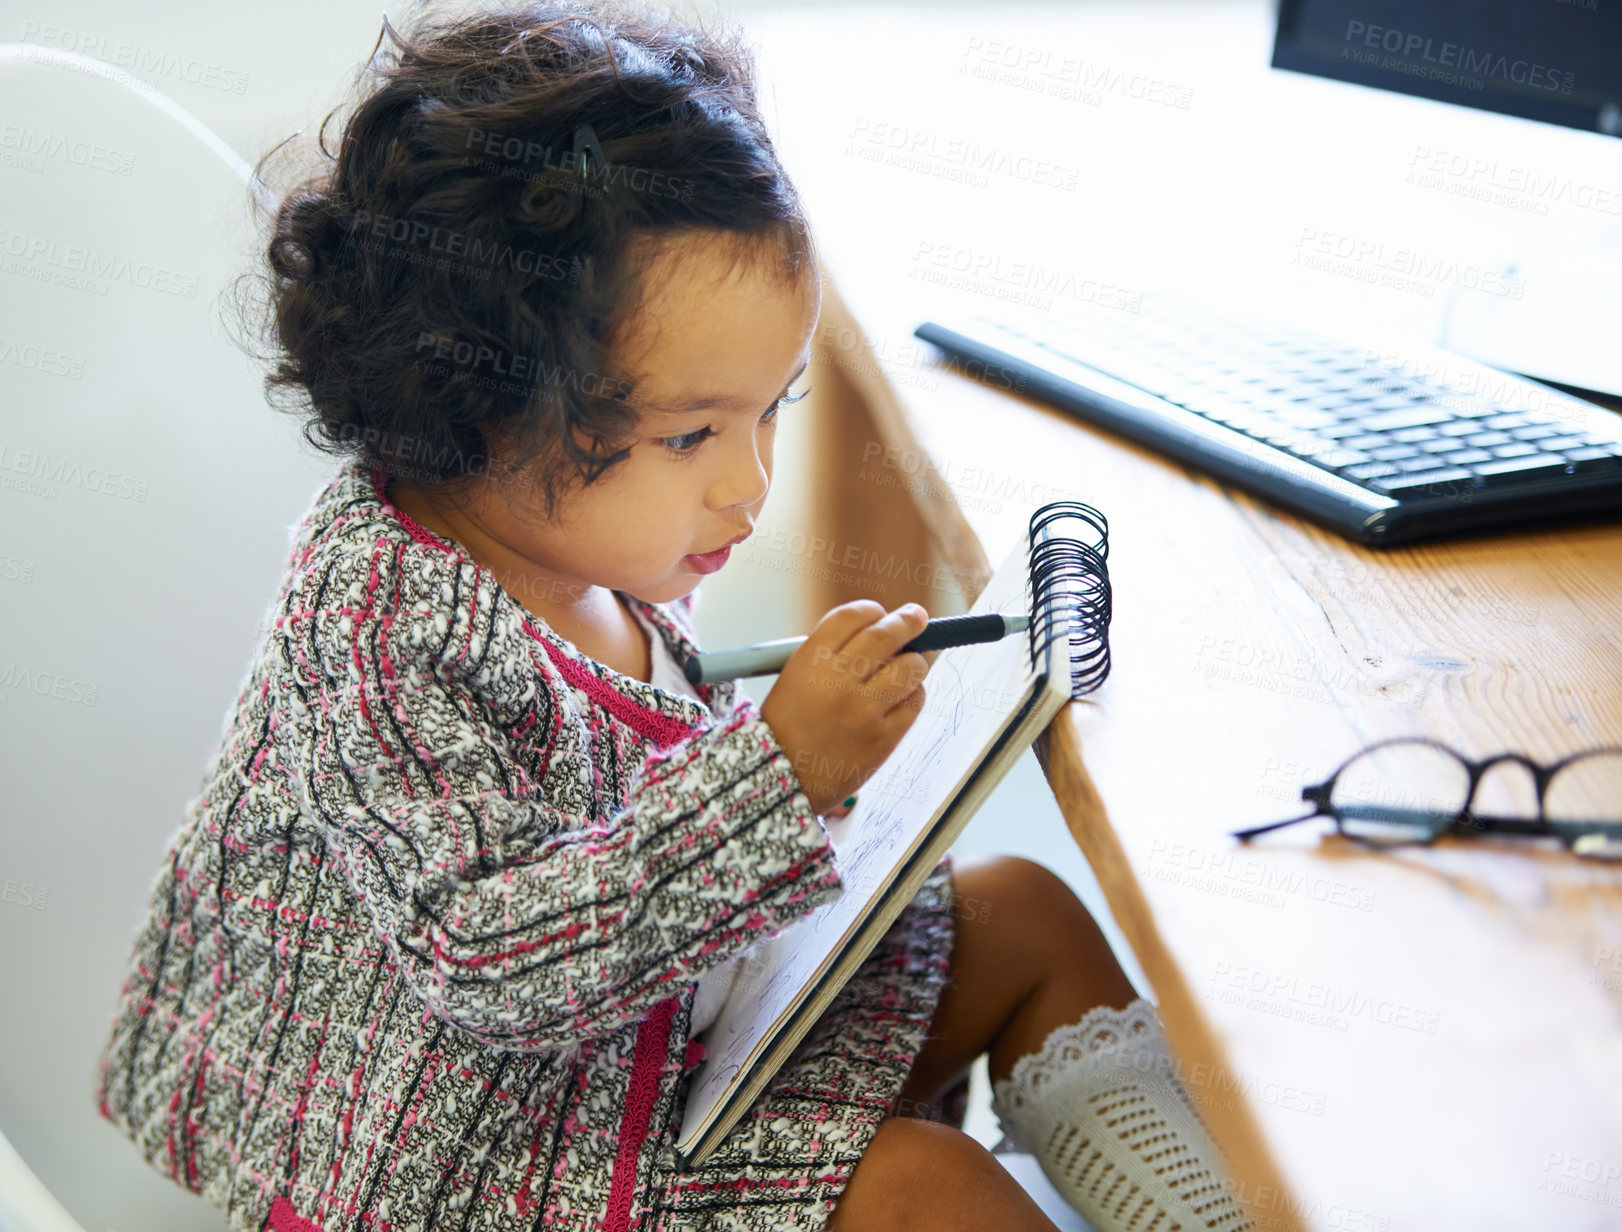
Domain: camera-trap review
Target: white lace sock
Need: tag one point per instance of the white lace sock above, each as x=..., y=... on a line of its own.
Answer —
x=1100, y=1106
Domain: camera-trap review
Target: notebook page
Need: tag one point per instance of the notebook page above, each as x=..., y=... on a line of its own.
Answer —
x=972, y=693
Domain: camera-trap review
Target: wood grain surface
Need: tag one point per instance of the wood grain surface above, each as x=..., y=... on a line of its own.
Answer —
x=1353, y=1025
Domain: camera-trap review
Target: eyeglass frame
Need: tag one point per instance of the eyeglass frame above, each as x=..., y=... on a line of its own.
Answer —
x=1464, y=821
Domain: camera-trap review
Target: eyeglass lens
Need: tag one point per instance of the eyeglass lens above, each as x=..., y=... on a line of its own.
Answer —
x=1400, y=792
x=1586, y=790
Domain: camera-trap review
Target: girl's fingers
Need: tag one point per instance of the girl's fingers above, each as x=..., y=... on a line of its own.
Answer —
x=838, y=625
x=842, y=623
x=870, y=649
x=904, y=713
x=898, y=678
x=842, y=809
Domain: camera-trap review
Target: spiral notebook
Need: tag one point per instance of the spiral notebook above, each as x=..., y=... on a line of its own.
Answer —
x=984, y=705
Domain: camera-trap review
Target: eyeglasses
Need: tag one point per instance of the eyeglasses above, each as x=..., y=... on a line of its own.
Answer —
x=1415, y=791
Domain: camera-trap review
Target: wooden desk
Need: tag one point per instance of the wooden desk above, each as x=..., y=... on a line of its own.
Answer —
x=1424, y=1040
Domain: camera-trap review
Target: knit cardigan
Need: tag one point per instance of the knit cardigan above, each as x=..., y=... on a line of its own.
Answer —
x=423, y=952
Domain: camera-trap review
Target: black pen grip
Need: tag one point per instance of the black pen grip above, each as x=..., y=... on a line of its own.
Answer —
x=948, y=631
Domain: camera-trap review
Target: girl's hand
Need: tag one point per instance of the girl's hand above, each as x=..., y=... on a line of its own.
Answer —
x=844, y=699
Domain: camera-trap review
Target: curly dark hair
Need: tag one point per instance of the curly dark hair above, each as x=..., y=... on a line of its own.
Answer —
x=444, y=292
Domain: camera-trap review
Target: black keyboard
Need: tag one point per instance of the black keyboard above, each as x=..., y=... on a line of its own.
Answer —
x=1390, y=442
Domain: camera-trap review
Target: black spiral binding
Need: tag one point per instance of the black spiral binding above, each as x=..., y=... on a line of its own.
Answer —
x=1070, y=592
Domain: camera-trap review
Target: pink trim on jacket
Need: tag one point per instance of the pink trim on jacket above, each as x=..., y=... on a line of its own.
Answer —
x=419, y=532
x=662, y=729
x=652, y=1036
x=283, y=1218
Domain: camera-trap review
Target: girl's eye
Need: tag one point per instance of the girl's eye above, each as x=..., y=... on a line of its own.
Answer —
x=685, y=443
x=783, y=401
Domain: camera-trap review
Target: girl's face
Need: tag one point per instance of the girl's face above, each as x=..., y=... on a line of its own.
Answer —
x=714, y=349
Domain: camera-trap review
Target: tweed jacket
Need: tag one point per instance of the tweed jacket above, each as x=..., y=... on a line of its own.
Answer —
x=422, y=954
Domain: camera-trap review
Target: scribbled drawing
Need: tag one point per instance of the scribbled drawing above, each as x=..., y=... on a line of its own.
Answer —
x=892, y=819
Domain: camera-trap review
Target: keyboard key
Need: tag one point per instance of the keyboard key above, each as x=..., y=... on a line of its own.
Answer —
x=1315, y=444
x=1459, y=428
x=1305, y=417
x=1212, y=406
x=1472, y=410
x=1247, y=421
x=1338, y=459
x=1517, y=450
x=1425, y=462
x=1590, y=454
x=1390, y=453
x=1442, y=444
x=1411, y=417
x=1330, y=400
x=1536, y=464
x=1468, y=457
x=1411, y=436
x=1370, y=440
x=1182, y=389
x=1559, y=444
x=1500, y=422
x=1370, y=470
x=1289, y=440
x=1485, y=440
x=1534, y=432
x=1448, y=480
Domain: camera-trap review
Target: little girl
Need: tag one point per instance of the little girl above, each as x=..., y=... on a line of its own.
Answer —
x=473, y=866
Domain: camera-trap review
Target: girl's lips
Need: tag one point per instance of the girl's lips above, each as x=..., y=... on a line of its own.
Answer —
x=709, y=562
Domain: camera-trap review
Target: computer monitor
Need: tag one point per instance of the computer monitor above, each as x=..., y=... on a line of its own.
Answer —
x=1554, y=61
x=1559, y=61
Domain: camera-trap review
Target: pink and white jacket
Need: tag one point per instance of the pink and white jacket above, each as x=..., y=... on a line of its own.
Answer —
x=423, y=953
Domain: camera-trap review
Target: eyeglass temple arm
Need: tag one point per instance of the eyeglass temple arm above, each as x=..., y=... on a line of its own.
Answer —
x=1242, y=835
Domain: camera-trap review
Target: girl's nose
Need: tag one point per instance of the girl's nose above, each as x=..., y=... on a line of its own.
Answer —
x=745, y=480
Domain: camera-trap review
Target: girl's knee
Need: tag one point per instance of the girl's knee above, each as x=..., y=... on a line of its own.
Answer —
x=918, y=1174
x=983, y=883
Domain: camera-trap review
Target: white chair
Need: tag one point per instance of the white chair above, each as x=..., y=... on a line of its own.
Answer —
x=147, y=494
x=25, y=1204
